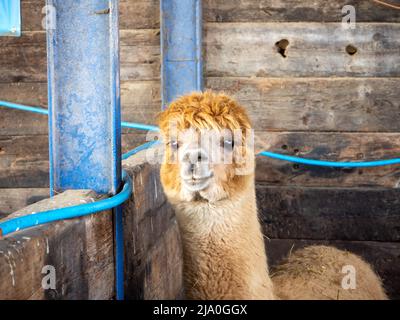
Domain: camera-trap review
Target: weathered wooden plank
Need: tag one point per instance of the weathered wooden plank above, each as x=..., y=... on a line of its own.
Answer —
x=140, y=103
x=153, y=253
x=21, y=123
x=141, y=93
x=133, y=93
x=145, y=14
x=314, y=50
x=142, y=37
x=17, y=146
x=32, y=15
x=355, y=214
x=332, y=147
x=349, y=104
x=317, y=104
x=383, y=256
x=34, y=93
x=16, y=123
x=14, y=199
x=146, y=183
x=293, y=104
x=24, y=59
x=24, y=159
x=134, y=14
x=321, y=104
x=80, y=250
x=24, y=162
x=294, y=11
x=142, y=14
x=140, y=63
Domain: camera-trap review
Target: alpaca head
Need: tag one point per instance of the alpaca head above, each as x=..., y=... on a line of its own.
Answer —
x=208, y=148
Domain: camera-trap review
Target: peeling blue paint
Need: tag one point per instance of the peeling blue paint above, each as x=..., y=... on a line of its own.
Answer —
x=181, y=41
x=84, y=97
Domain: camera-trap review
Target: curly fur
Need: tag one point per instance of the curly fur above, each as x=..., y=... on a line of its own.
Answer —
x=315, y=272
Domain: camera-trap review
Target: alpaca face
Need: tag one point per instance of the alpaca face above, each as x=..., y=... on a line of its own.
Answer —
x=208, y=148
x=195, y=163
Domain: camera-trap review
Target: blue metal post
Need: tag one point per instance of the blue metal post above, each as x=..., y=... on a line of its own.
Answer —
x=84, y=103
x=181, y=43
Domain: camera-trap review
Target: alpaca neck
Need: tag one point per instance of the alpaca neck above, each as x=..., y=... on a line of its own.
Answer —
x=224, y=253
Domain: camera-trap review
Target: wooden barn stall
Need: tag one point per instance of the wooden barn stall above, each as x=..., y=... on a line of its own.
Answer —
x=308, y=92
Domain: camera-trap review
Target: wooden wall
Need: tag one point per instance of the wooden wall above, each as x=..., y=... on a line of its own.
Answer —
x=153, y=250
x=318, y=102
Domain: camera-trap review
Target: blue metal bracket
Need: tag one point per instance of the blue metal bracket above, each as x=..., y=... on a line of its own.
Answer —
x=181, y=42
x=84, y=97
x=10, y=18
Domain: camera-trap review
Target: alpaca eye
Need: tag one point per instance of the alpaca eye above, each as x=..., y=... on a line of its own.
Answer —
x=228, y=144
x=174, y=145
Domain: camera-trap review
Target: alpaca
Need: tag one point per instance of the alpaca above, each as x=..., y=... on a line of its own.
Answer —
x=315, y=272
x=208, y=176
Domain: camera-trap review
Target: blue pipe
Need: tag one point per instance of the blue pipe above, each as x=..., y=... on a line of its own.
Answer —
x=23, y=108
x=181, y=43
x=139, y=126
x=35, y=219
x=323, y=163
x=39, y=110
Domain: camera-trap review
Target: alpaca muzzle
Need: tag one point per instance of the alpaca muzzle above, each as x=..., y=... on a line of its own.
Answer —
x=195, y=169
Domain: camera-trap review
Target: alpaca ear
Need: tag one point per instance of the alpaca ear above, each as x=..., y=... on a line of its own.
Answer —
x=264, y=142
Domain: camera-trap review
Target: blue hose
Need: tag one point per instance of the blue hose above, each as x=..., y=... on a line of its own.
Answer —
x=39, y=110
x=139, y=126
x=273, y=155
x=23, y=108
x=31, y=220
x=330, y=163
